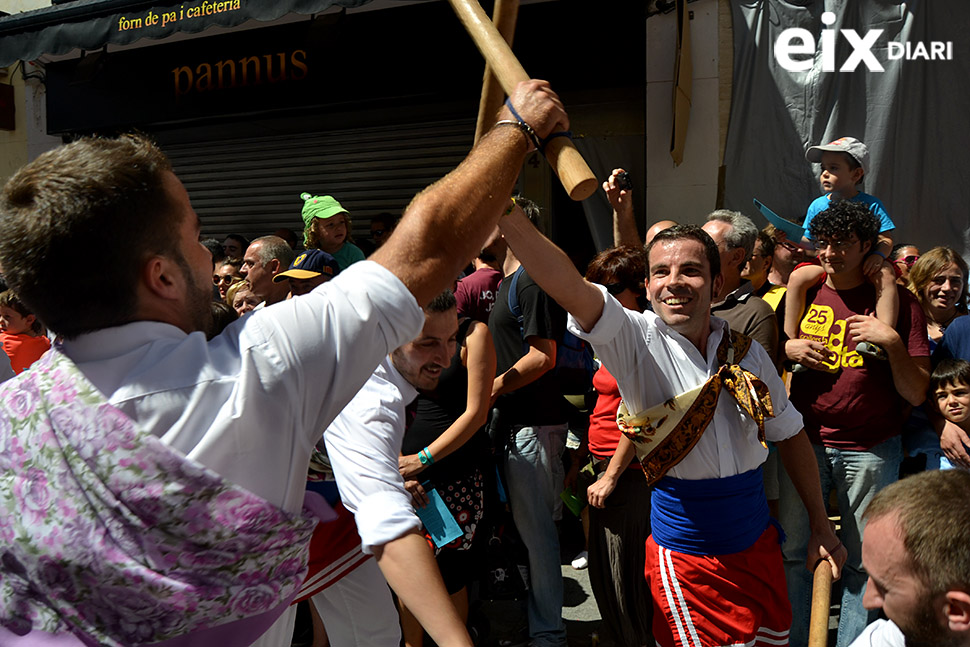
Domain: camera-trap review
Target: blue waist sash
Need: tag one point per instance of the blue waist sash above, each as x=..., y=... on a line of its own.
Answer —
x=709, y=516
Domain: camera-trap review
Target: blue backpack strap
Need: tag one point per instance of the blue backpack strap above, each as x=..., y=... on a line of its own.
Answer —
x=514, y=304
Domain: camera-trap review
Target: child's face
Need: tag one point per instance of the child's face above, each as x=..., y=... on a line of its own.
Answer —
x=954, y=402
x=837, y=176
x=13, y=322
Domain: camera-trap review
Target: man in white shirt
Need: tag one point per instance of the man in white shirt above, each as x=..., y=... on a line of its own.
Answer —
x=248, y=405
x=363, y=444
x=712, y=501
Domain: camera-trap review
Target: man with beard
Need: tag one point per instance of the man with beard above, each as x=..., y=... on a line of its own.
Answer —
x=915, y=552
x=363, y=445
x=151, y=481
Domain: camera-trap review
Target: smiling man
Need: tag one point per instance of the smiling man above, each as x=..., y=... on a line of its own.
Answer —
x=182, y=517
x=919, y=568
x=853, y=412
x=363, y=444
x=708, y=497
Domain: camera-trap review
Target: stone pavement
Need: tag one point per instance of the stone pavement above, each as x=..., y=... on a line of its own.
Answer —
x=506, y=620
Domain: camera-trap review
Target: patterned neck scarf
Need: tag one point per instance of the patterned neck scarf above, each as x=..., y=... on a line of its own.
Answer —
x=111, y=535
x=663, y=435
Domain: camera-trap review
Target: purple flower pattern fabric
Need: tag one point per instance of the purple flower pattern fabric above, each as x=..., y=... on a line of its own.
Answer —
x=109, y=534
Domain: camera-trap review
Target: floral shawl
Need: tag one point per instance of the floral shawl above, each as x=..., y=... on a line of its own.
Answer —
x=109, y=534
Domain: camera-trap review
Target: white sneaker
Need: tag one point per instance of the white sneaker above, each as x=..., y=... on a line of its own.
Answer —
x=581, y=561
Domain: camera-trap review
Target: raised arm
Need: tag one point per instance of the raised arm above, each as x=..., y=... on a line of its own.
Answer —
x=552, y=270
x=447, y=223
x=479, y=361
x=624, y=225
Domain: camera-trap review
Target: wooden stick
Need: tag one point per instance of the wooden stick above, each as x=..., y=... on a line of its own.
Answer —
x=569, y=165
x=504, y=17
x=818, y=628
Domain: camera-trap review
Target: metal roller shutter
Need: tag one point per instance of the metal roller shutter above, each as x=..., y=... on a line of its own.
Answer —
x=252, y=185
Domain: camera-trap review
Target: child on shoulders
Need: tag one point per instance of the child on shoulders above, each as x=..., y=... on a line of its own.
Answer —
x=844, y=163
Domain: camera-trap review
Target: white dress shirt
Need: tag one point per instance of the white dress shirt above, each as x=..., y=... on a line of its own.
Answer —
x=363, y=444
x=251, y=403
x=653, y=363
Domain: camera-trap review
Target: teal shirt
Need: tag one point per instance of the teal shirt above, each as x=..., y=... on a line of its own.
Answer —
x=348, y=255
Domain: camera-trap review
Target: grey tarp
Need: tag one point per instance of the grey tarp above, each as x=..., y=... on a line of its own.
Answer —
x=913, y=116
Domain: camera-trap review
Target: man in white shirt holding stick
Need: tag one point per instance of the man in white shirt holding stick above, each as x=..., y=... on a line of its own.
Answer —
x=143, y=466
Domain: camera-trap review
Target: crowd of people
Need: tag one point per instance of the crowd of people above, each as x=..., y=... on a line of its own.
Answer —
x=276, y=441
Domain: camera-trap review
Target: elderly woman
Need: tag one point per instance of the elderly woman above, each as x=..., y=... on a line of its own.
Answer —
x=939, y=281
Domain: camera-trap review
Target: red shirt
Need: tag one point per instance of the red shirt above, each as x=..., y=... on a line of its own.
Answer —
x=23, y=349
x=857, y=405
x=603, y=432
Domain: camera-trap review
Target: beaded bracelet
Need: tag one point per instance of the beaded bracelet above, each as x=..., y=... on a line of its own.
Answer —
x=524, y=127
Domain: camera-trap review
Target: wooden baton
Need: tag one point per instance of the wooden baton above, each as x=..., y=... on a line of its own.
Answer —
x=569, y=165
x=504, y=17
x=818, y=628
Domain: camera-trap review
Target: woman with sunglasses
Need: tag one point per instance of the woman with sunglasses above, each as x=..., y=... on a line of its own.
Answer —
x=902, y=257
x=226, y=275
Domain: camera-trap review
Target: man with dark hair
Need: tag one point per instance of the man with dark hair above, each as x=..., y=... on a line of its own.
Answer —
x=188, y=458
x=533, y=418
x=265, y=258
x=476, y=292
x=381, y=227
x=235, y=245
x=735, y=236
x=708, y=497
x=916, y=556
x=853, y=412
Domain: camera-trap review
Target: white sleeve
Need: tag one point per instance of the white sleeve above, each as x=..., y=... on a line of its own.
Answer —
x=315, y=351
x=363, y=444
x=881, y=633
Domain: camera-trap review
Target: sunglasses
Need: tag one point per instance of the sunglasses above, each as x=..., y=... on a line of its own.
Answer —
x=616, y=289
x=908, y=260
x=790, y=246
x=377, y=232
x=228, y=278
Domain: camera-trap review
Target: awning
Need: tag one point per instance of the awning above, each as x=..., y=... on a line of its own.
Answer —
x=91, y=24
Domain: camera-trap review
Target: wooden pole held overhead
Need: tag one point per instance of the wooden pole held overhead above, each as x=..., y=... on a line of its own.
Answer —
x=504, y=17
x=565, y=160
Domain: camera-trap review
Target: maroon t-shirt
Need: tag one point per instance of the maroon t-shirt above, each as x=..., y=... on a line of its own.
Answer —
x=856, y=405
x=476, y=293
